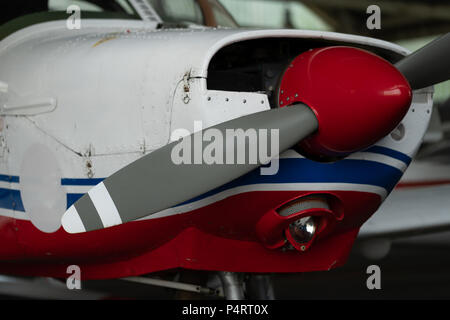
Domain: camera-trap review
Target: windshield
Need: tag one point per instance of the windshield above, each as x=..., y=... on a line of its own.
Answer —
x=202, y=12
x=178, y=11
x=92, y=5
x=48, y=9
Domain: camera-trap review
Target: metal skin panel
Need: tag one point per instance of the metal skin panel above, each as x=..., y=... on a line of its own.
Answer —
x=128, y=108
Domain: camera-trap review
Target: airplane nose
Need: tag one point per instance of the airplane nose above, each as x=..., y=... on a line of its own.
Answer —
x=357, y=96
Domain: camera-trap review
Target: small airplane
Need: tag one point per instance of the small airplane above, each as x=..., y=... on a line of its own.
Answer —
x=88, y=117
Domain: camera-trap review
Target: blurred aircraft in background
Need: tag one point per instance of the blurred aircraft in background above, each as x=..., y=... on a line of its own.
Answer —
x=420, y=203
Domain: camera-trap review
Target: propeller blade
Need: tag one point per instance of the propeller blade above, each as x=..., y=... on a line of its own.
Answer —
x=154, y=182
x=428, y=65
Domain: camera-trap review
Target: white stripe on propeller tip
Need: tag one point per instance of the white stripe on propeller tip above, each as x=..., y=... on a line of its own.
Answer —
x=105, y=206
x=71, y=221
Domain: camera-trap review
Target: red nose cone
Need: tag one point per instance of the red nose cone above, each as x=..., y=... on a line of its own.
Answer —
x=357, y=96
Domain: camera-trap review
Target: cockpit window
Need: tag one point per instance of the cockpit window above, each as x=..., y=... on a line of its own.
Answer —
x=201, y=12
x=62, y=5
x=47, y=10
x=221, y=15
x=178, y=11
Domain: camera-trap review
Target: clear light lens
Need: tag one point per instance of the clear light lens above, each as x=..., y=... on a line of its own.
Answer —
x=303, y=230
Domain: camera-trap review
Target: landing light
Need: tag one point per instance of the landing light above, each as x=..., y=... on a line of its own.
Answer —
x=301, y=232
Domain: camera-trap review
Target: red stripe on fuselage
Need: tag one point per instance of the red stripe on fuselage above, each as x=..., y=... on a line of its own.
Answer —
x=220, y=236
x=417, y=184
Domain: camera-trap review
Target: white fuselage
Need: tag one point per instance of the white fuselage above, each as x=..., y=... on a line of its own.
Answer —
x=81, y=104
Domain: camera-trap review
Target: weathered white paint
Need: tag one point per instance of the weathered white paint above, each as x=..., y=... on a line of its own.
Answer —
x=118, y=94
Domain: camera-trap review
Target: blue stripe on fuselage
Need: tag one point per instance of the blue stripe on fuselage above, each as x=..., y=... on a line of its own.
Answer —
x=390, y=152
x=7, y=178
x=81, y=181
x=11, y=199
x=72, y=198
x=291, y=170
x=300, y=170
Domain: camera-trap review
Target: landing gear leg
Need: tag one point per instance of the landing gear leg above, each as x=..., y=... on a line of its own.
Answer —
x=259, y=287
x=233, y=286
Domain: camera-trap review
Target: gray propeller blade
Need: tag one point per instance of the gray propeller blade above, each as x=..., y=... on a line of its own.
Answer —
x=428, y=65
x=154, y=182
